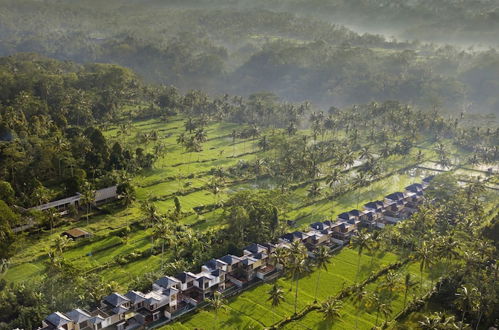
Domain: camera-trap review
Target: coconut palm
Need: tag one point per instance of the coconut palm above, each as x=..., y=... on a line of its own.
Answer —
x=464, y=300
x=60, y=243
x=218, y=303
x=87, y=197
x=161, y=230
x=276, y=296
x=358, y=298
x=298, y=265
x=330, y=310
x=322, y=258
x=424, y=255
x=314, y=190
x=280, y=257
x=408, y=285
x=360, y=242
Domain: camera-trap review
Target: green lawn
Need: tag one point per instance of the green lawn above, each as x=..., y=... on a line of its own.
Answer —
x=252, y=308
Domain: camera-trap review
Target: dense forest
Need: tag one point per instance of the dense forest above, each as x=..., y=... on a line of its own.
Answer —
x=243, y=49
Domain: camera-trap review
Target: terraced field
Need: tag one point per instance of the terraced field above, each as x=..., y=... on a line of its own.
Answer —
x=185, y=174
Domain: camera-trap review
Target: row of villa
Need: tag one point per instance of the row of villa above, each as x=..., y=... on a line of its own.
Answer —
x=172, y=296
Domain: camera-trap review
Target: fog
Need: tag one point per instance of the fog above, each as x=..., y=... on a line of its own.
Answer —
x=335, y=53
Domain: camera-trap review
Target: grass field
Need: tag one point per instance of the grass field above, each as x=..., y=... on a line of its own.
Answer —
x=179, y=171
x=251, y=310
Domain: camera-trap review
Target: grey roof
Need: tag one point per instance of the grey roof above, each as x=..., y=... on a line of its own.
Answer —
x=319, y=225
x=119, y=310
x=395, y=196
x=355, y=213
x=249, y=260
x=115, y=299
x=58, y=319
x=255, y=248
x=185, y=277
x=96, y=319
x=167, y=282
x=415, y=187
x=78, y=315
x=135, y=296
x=217, y=272
x=215, y=264
x=230, y=259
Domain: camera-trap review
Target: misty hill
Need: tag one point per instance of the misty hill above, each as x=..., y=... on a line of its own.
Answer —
x=291, y=48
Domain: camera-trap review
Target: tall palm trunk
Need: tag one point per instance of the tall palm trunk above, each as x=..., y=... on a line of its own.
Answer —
x=317, y=285
x=296, y=294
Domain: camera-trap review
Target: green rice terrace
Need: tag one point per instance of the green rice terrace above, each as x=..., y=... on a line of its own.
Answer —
x=195, y=184
x=186, y=175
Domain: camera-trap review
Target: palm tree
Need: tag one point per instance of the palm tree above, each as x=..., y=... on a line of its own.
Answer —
x=87, y=197
x=330, y=310
x=358, y=299
x=384, y=309
x=151, y=216
x=321, y=261
x=408, y=284
x=360, y=242
x=438, y=321
x=276, y=296
x=280, y=257
x=217, y=303
x=314, y=190
x=425, y=258
x=297, y=265
x=162, y=231
x=464, y=301
x=60, y=243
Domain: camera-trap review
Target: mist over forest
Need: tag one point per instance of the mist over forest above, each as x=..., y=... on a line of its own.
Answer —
x=332, y=53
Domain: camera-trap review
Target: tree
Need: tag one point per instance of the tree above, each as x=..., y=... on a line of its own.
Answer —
x=7, y=220
x=161, y=230
x=276, y=295
x=322, y=258
x=360, y=243
x=217, y=303
x=60, y=244
x=330, y=310
x=408, y=284
x=314, y=190
x=297, y=265
x=87, y=198
x=152, y=216
x=424, y=255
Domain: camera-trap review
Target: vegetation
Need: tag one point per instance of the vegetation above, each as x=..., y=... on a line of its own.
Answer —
x=328, y=120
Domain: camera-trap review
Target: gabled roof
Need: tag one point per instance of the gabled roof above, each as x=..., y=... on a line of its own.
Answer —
x=119, y=310
x=328, y=223
x=215, y=264
x=260, y=256
x=135, y=296
x=247, y=260
x=217, y=272
x=78, y=315
x=319, y=225
x=96, y=319
x=255, y=248
x=169, y=292
x=167, y=282
x=415, y=187
x=185, y=277
x=355, y=213
x=230, y=259
x=115, y=299
x=374, y=205
x=58, y=319
x=395, y=196
x=344, y=215
x=297, y=235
